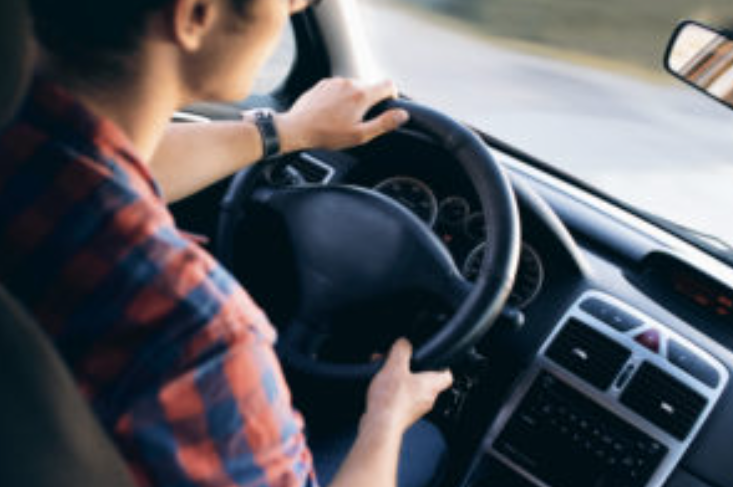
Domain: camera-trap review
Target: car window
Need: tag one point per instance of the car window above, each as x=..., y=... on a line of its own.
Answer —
x=278, y=67
x=577, y=83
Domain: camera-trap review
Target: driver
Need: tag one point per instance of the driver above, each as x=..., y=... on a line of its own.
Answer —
x=175, y=359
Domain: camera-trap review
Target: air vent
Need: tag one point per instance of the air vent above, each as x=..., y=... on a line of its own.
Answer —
x=312, y=170
x=300, y=170
x=664, y=400
x=589, y=354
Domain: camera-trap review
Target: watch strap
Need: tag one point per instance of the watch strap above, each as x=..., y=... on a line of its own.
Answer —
x=265, y=122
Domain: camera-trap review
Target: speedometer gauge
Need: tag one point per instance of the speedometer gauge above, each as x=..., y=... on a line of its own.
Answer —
x=475, y=226
x=453, y=210
x=472, y=265
x=413, y=194
x=530, y=276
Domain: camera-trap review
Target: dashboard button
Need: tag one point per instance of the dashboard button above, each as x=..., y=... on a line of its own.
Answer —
x=611, y=315
x=650, y=339
x=690, y=362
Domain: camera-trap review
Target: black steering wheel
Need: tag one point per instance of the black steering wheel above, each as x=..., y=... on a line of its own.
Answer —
x=352, y=246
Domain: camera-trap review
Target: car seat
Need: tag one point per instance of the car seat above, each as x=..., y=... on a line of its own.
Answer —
x=48, y=435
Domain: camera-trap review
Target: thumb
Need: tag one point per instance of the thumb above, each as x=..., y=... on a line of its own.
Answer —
x=438, y=381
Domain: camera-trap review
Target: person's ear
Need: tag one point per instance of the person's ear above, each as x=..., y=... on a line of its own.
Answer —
x=192, y=21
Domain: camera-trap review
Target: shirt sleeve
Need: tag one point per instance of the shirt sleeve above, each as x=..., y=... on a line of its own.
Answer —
x=228, y=421
x=219, y=412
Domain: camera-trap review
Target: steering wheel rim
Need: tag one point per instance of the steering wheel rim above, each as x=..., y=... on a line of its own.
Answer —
x=482, y=305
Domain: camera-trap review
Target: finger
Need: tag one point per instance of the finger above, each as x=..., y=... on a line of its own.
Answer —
x=400, y=354
x=380, y=91
x=376, y=357
x=386, y=122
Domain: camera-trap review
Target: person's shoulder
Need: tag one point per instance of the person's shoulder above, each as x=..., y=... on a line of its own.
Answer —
x=60, y=188
x=34, y=161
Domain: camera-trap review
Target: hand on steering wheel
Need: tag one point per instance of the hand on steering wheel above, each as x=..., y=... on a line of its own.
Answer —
x=397, y=397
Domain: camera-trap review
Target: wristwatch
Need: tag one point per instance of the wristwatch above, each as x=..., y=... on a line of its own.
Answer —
x=264, y=120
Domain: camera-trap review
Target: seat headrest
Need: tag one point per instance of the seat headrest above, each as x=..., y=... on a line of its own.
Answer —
x=15, y=53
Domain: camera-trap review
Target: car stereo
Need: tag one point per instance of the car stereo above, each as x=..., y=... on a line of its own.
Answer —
x=613, y=399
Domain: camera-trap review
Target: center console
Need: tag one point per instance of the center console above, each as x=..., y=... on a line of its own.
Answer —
x=613, y=399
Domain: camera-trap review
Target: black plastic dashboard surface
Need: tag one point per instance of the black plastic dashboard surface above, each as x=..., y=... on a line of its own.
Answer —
x=618, y=248
x=611, y=257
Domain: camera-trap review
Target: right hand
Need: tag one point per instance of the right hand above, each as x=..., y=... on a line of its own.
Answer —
x=331, y=115
x=397, y=398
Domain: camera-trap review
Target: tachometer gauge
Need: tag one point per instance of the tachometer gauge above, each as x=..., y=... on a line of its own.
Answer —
x=530, y=276
x=453, y=210
x=413, y=194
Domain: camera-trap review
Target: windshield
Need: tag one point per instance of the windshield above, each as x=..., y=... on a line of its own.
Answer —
x=577, y=83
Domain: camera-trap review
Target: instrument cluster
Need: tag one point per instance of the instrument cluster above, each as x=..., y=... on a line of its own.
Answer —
x=461, y=227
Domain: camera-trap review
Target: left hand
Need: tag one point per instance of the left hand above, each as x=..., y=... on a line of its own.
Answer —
x=398, y=397
x=331, y=115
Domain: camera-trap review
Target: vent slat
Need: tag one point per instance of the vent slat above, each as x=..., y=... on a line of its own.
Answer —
x=589, y=354
x=663, y=400
x=312, y=172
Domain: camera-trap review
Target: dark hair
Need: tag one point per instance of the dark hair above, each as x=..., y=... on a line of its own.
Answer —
x=89, y=36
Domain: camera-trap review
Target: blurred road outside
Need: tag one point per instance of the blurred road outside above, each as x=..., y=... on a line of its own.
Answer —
x=636, y=134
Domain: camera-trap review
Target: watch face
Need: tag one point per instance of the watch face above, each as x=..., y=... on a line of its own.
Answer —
x=264, y=113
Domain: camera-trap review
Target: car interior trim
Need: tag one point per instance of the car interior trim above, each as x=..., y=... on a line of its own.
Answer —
x=327, y=168
x=185, y=116
x=549, y=186
x=610, y=399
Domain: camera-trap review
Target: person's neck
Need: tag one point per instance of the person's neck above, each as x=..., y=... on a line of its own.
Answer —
x=140, y=103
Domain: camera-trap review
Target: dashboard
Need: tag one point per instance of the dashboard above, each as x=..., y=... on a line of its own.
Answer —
x=613, y=368
x=613, y=399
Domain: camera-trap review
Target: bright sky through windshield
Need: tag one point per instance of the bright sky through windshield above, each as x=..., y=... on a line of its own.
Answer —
x=618, y=122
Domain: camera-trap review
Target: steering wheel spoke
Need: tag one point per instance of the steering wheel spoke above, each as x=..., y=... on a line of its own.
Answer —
x=302, y=338
x=456, y=290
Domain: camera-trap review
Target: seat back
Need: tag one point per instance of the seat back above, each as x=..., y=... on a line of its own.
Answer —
x=48, y=435
x=15, y=53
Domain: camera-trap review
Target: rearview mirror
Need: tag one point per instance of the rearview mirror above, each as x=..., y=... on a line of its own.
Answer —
x=703, y=57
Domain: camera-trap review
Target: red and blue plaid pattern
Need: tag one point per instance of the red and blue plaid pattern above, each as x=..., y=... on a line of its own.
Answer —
x=174, y=357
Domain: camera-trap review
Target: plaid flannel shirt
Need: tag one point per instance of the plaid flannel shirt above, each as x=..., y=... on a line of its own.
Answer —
x=175, y=359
